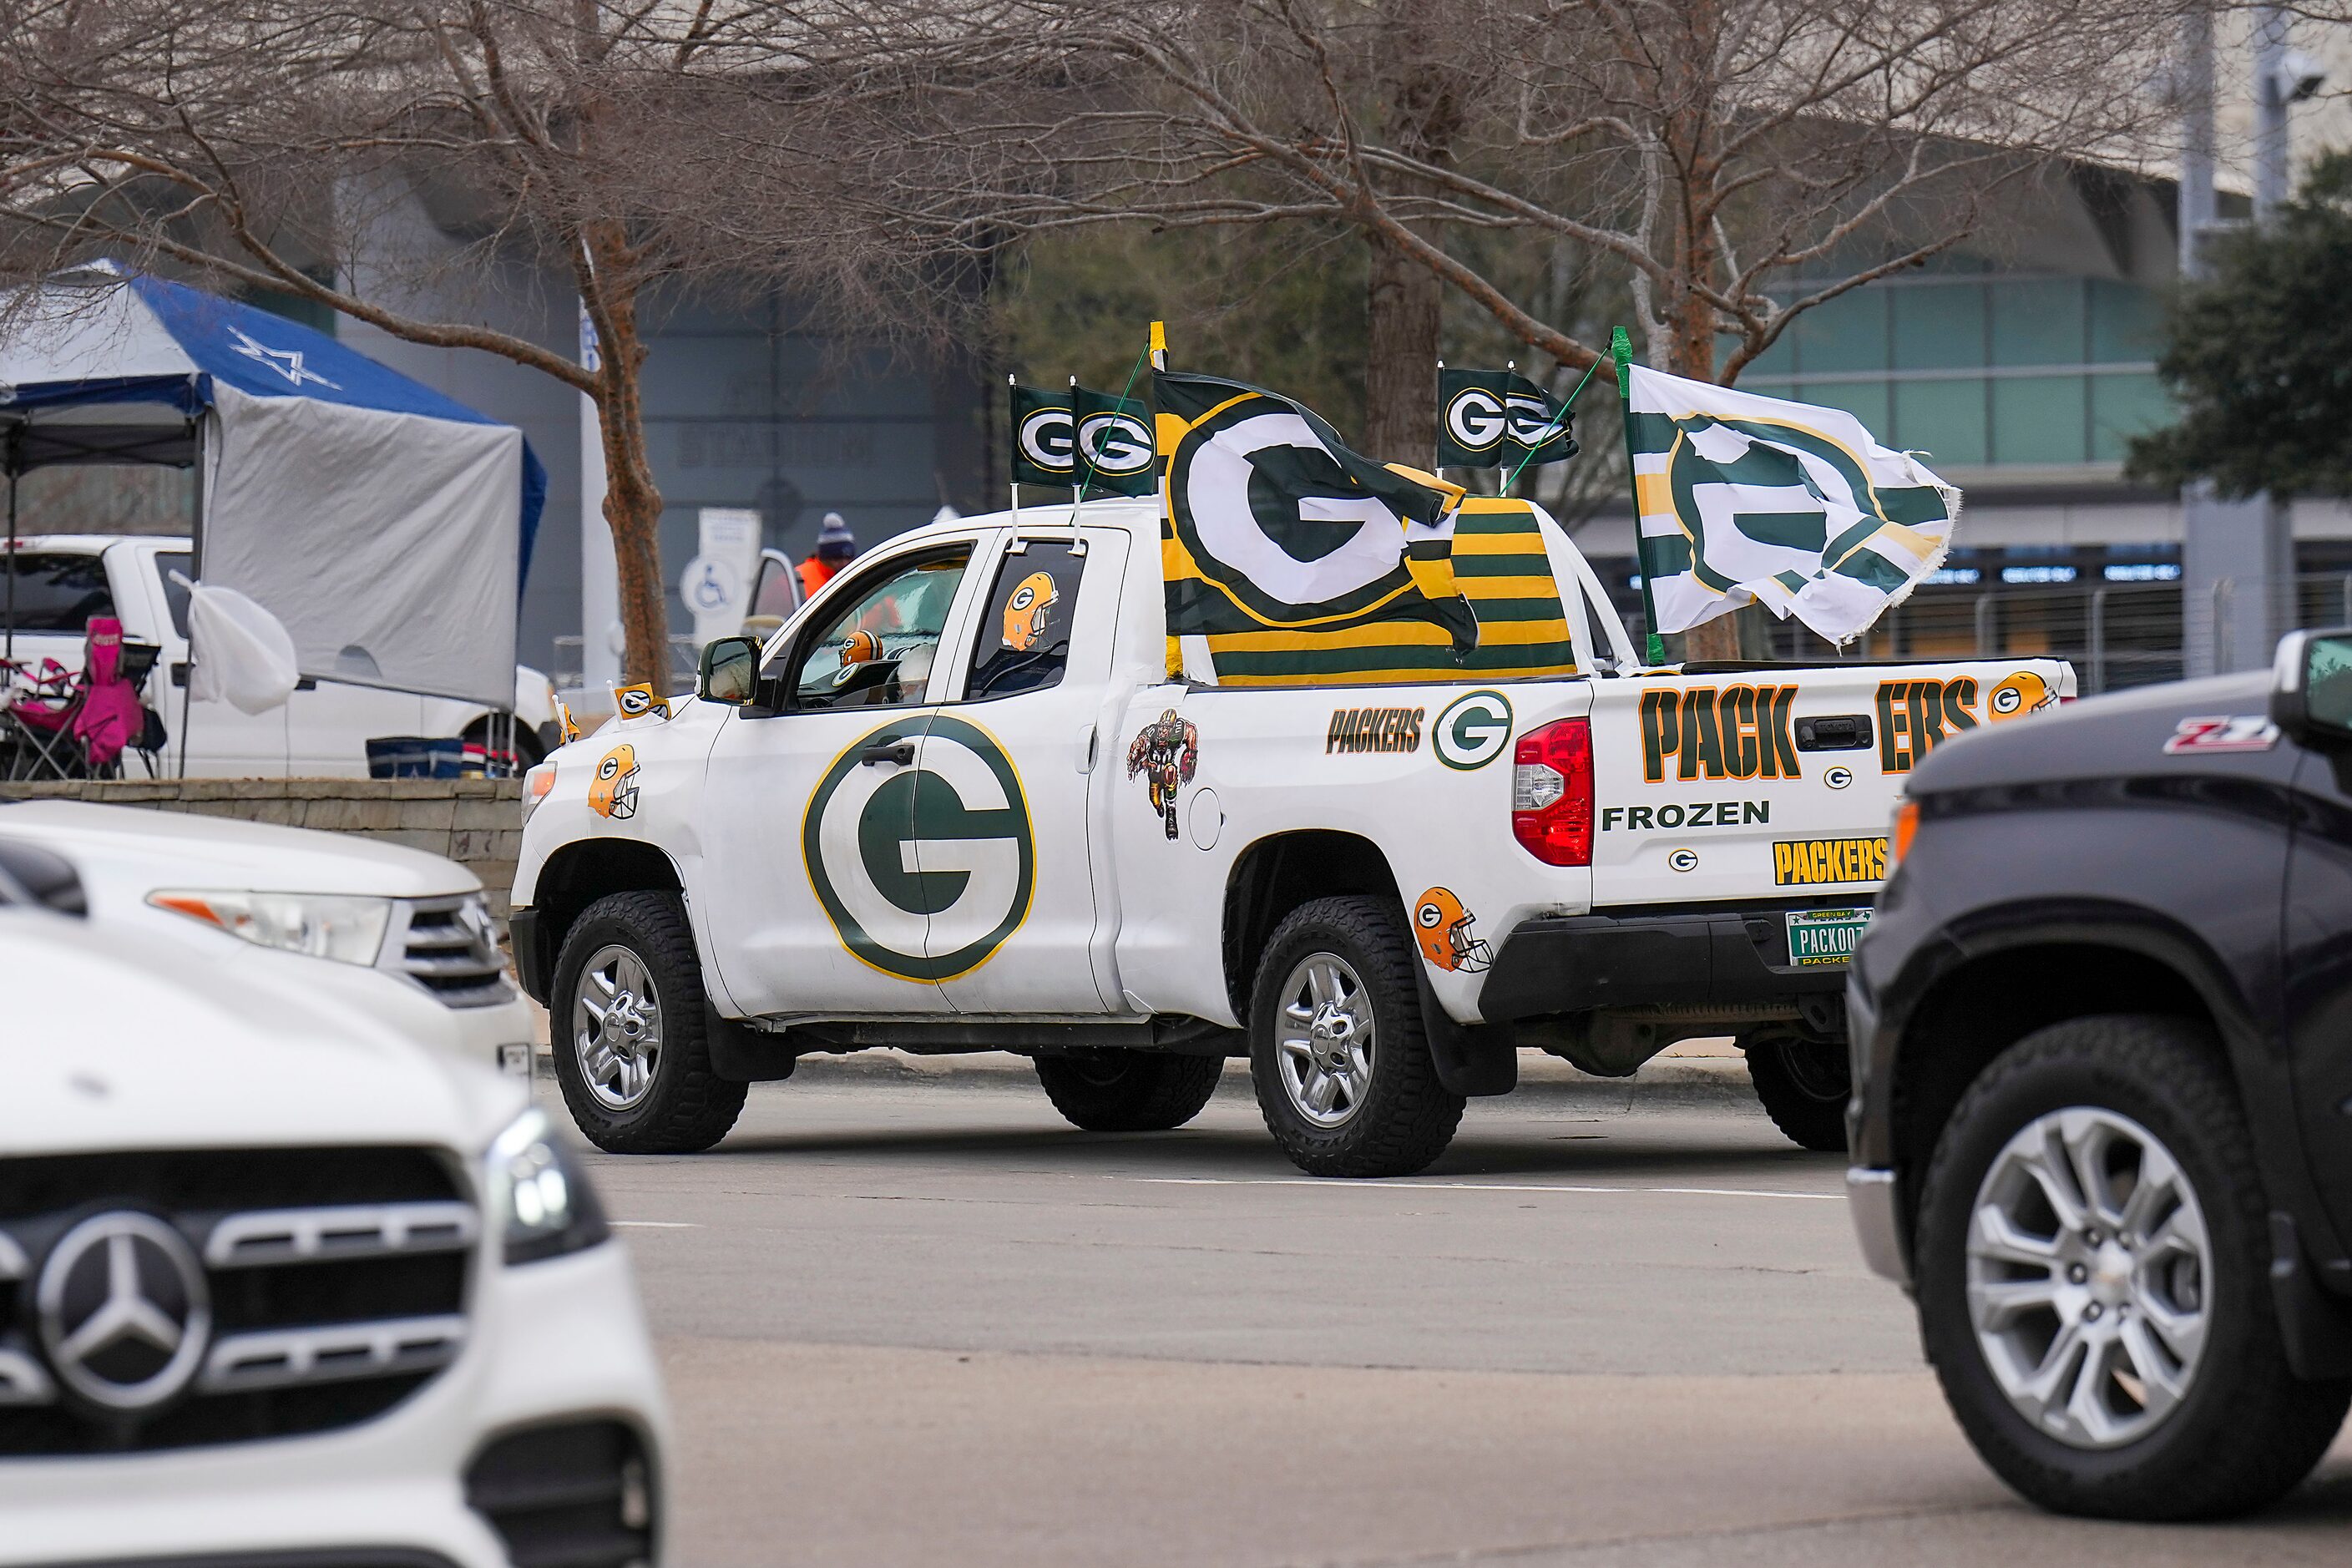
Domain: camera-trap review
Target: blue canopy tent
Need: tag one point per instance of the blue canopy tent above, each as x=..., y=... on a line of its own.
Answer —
x=387, y=526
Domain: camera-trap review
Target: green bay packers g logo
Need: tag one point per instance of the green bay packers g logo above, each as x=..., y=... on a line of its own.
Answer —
x=1473, y=730
x=924, y=869
x=1478, y=419
x=1117, y=444
x=1047, y=440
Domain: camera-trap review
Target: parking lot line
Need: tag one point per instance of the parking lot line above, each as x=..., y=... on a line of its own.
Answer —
x=1376, y=1186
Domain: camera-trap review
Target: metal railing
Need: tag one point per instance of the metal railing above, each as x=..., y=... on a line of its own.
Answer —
x=2116, y=635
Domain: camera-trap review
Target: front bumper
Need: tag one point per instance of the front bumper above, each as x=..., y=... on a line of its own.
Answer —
x=554, y=1340
x=1576, y=964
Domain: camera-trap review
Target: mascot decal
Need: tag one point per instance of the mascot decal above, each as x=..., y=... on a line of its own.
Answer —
x=1165, y=752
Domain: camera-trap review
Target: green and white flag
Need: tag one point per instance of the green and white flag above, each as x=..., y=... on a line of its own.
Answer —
x=1044, y=437
x=1788, y=505
x=1495, y=418
x=1116, y=455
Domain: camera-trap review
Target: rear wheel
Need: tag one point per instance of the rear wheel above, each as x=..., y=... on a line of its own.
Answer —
x=2094, y=1280
x=1339, y=1055
x=1129, y=1091
x=627, y=1016
x=1804, y=1086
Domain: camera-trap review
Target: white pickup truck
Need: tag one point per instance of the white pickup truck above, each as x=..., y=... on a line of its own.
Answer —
x=956, y=803
x=63, y=580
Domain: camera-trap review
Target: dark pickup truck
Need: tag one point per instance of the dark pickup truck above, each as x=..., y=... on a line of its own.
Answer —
x=2102, y=1120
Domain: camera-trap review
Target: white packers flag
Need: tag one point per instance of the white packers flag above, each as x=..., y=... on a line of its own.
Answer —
x=1797, y=508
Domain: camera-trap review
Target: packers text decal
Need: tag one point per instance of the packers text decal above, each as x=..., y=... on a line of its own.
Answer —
x=1728, y=733
x=1806, y=862
x=924, y=869
x=1374, y=729
x=1915, y=715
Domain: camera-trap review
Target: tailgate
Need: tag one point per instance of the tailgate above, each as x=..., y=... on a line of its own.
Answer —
x=1776, y=785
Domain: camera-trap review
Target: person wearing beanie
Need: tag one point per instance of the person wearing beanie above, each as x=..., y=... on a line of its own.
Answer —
x=835, y=548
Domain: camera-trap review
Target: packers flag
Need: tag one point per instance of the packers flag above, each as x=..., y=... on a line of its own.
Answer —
x=1272, y=525
x=1497, y=419
x=1753, y=498
x=1505, y=574
x=1075, y=436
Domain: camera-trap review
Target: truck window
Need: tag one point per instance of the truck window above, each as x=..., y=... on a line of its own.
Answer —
x=1024, y=630
x=878, y=651
x=167, y=562
x=56, y=591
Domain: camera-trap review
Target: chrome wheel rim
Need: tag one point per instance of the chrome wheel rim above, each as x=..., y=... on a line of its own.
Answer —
x=2089, y=1277
x=1323, y=1039
x=616, y=1027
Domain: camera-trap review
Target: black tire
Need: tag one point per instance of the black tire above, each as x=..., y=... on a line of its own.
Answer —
x=2246, y=1430
x=1404, y=1117
x=685, y=1106
x=1804, y=1086
x=1129, y=1091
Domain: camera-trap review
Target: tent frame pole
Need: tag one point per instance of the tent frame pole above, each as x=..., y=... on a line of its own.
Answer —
x=195, y=575
x=16, y=460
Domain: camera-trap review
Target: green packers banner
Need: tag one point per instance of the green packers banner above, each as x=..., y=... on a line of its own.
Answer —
x=1796, y=508
x=1064, y=438
x=1273, y=524
x=1495, y=419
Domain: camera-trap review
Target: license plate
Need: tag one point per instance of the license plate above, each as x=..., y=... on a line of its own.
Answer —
x=515, y=1059
x=1824, y=936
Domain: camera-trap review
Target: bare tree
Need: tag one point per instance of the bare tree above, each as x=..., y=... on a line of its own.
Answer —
x=1737, y=164
x=285, y=145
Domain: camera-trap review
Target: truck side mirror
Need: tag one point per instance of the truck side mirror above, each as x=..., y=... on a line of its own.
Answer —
x=2311, y=685
x=729, y=672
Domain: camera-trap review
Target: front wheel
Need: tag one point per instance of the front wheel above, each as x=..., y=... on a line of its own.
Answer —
x=1803, y=1085
x=1339, y=1054
x=2094, y=1280
x=626, y=1014
x=1129, y=1091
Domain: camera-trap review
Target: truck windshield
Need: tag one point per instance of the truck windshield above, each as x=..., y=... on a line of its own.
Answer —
x=53, y=591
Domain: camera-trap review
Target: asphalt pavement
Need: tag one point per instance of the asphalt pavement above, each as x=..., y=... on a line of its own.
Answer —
x=916, y=1318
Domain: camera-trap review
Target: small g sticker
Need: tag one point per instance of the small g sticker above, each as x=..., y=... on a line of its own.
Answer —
x=1838, y=777
x=1682, y=860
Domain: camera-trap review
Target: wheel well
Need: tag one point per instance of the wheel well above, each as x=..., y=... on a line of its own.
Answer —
x=1978, y=1010
x=1276, y=875
x=579, y=874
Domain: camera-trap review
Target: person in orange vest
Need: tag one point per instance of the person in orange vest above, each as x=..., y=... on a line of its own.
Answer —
x=835, y=548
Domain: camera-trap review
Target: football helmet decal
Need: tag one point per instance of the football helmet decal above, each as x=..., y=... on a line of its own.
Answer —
x=614, y=791
x=1028, y=611
x=2023, y=693
x=1444, y=930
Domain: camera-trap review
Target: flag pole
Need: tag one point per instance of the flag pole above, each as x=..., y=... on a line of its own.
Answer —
x=1014, y=426
x=1077, y=481
x=1437, y=438
x=1621, y=348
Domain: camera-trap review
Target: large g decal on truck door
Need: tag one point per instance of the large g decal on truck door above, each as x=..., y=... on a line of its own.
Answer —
x=935, y=858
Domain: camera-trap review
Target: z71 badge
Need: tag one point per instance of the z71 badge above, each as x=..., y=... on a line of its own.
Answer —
x=2223, y=732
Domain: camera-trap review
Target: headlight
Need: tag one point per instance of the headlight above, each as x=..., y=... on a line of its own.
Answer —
x=545, y=1205
x=323, y=925
x=535, y=785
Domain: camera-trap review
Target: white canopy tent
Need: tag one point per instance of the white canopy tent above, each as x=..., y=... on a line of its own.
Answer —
x=387, y=526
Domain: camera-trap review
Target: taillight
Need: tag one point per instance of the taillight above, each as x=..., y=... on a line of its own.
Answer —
x=1906, y=823
x=1551, y=793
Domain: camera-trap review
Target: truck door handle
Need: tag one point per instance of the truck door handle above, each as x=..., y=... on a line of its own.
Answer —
x=1836, y=733
x=902, y=755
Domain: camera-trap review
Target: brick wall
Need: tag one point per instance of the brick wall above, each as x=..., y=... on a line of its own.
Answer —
x=475, y=822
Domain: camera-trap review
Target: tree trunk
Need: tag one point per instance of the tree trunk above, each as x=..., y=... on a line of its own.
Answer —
x=633, y=501
x=1401, y=375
